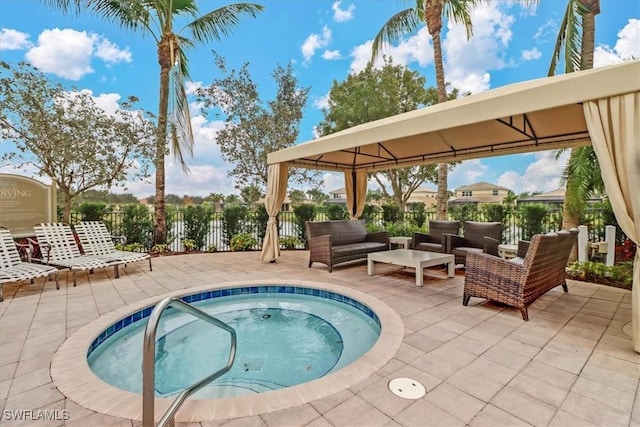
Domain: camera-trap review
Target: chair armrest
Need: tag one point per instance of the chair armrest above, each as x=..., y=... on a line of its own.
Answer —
x=320, y=242
x=418, y=238
x=453, y=241
x=378, y=236
x=39, y=252
x=523, y=247
x=490, y=245
x=494, y=273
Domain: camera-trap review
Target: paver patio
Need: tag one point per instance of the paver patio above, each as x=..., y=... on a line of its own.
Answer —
x=572, y=364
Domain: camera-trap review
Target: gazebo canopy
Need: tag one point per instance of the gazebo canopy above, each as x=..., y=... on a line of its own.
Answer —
x=535, y=115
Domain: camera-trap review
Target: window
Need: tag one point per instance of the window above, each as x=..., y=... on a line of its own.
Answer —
x=495, y=192
x=467, y=193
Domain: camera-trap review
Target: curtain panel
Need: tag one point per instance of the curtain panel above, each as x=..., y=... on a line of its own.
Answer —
x=614, y=126
x=278, y=175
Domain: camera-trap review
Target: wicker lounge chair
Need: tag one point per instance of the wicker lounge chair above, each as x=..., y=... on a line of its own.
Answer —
x=13, y=269
x=95, y=239
x=434, y=241
x=519, y=282
x=478, y=237
x=58, y=247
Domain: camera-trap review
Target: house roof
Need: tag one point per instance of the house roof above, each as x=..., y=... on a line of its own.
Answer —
x=481, y=186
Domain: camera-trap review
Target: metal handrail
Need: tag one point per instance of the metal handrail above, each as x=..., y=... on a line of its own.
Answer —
x=149, y=356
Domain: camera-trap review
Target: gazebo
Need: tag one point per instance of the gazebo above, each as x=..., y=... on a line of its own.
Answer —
x=599, y=107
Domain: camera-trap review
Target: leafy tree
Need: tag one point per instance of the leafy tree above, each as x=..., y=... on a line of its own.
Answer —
x=232, y=199
x=391, y=214
x=374, y=94
x=156, y=19
x=532, y=217
x=92, y=211
x=297, y=196
x=250, y=194
x=253, y=128
x=430, y=12
x=67, y=137
x=336, y=211
x=173, y=199
x=317, y=196
x=216, y=198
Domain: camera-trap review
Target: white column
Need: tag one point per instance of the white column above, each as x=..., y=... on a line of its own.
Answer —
x=610, y=238
x=583, y=243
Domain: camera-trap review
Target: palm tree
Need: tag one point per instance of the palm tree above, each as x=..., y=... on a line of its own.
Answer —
x=156, y=18
x=575, y=43
x=406, y=21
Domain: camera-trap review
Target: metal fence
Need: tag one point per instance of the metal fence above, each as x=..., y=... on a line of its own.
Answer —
x=513, y=226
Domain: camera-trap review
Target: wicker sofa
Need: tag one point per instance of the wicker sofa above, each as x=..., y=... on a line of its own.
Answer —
x=520, y=281
x=334, y=242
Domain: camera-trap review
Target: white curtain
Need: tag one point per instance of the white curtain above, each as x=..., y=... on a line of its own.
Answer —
x=278, y=174
x=358, y=199
x=614, y=126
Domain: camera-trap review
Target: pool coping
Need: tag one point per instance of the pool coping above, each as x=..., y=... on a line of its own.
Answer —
x=73, y=377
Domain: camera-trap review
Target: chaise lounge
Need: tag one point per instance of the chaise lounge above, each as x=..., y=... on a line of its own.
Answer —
x=338, y=241
x=520, y=281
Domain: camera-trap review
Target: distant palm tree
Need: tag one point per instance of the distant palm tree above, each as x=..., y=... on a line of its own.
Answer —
x=575, y=44
x=156, y=18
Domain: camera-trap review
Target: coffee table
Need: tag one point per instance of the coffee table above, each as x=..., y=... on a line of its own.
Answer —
x=412, y=258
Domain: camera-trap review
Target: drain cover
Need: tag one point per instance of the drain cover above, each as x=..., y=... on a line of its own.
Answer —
x=407, y=388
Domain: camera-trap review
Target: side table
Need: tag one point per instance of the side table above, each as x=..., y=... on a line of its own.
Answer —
x=404, y=242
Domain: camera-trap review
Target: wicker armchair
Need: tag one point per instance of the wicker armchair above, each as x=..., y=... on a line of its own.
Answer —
x=434, y=241
x=478, y=237
x=519, y=283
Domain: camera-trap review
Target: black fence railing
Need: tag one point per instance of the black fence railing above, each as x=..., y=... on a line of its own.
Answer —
x=514, y=226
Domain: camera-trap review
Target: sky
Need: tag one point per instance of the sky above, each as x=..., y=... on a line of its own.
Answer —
x=325, y=41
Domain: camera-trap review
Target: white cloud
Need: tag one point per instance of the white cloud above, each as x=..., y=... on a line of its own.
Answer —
x=627, y=46
x=467, y=172
x=13, y=40
x=330, y=55
x=342, y=15
x=467, y=61
x=548, y=31
x=315, y=42
x=332, y=181
x=543, y=174
x=67, y=53
x=416, y=48
x=531, y=54
x=109, y=52
x=321, y=102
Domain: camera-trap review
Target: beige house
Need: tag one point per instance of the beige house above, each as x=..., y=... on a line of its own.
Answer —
x=421, y=194
x=480, y=192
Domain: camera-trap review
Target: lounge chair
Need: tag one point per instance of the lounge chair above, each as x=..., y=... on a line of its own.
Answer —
x=95, y=239
x=478, y=237
x=434, y=241
x=58, y=247
x=13, y=269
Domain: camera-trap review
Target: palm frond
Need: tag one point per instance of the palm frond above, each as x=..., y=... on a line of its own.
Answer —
x=400, y=24
x=216, y=24
x=568, y=42
x=460, y=11
x=181, y=134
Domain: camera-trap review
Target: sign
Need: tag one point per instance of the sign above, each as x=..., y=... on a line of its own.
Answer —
x=25, y=202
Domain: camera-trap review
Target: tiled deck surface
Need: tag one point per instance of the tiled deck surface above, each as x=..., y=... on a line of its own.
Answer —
x=571, y=365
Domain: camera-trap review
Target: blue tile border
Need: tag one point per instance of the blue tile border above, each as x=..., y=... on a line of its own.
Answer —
x=242, y=290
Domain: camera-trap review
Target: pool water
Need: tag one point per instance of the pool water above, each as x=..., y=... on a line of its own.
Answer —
x=282, y=340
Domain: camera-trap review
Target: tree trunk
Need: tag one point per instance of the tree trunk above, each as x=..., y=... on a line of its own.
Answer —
x=570, y=220
x=66, y=214
x=443, y=170
x=164, y=59
x=588, y=33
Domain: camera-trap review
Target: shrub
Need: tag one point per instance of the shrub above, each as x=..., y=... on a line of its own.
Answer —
x=391, y=214
x=464, y=212
x=418, y=215
x=197, y=224
x=261, y=219
x=373, y=227
x=532, y=216
x=133, y=247
x=289, y=242
x=335, y=212
x=211, y=248
x=242, y=242
x=189, y=245
x=302, y=214
x=369, y=213
x=401, y=229
x=92, y=211
x=137, y=225
x=233, y=221
x=160, y=249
